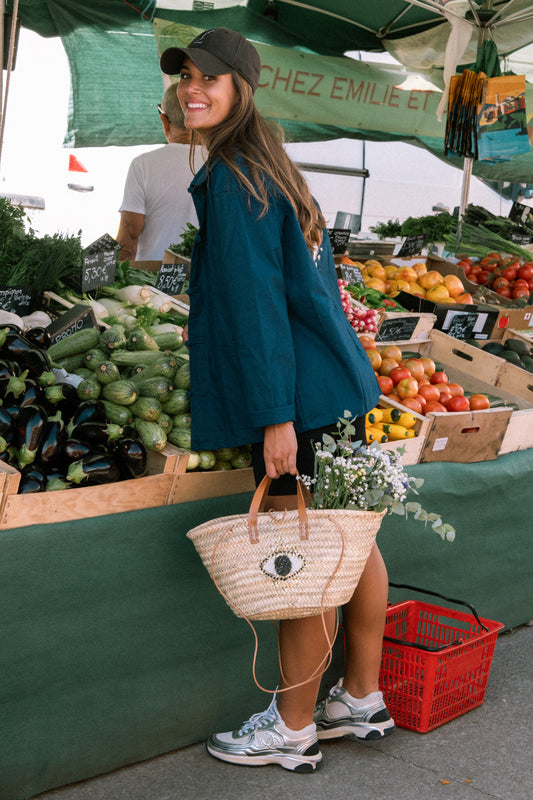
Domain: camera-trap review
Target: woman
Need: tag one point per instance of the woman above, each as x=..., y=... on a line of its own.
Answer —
x=274, y=362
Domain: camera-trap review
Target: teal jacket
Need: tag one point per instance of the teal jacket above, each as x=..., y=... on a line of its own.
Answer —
x=269, y=340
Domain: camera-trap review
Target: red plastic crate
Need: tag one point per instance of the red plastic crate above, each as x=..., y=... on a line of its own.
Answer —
x=424, y=689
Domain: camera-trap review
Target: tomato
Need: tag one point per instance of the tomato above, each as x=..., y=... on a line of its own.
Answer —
x=530, y=285
x=399, y=374
x=429, y=391
x=429, y=365
x=439, y=377
x=413, y=404
x=500, y=282
x=387, y=365
x=479, y=401
x=519, y=283
x=385, y=384
x=458, y=403
x=368, y=342
x=520, y=291
x=421, y=400
x=526, y=271
x=484, y=277
x=407, y=387
x=444, y=394
x=434, y=405
x=509, y=273
x=504, y=291
x=415, y=367
x=455, y=389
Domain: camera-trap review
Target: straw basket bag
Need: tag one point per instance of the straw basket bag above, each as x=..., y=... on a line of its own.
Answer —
x=289, y=564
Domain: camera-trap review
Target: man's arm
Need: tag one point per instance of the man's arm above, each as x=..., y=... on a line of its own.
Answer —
x=129, y=230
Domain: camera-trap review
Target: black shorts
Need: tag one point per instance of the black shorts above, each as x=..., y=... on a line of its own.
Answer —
x=305, y=458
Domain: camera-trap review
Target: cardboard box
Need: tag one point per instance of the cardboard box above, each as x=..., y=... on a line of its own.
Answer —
x=517, y=319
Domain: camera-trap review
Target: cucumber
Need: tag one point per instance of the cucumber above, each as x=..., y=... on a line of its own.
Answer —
x=107, y=372
x=119, y=415
x=159, y=387
x=89, y=389
x=148, y=408
x=127, y=358
x=94, y=357
x=181, y=437
x=77, y=342
x=150, y=433
x=121, y=392
x=165, y=367
x=177, y=402
x=83, y=372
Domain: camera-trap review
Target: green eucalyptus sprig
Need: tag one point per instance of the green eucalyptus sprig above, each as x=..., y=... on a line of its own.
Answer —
x=351, y=475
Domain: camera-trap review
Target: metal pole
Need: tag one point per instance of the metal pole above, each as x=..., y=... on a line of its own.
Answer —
x=11, y=51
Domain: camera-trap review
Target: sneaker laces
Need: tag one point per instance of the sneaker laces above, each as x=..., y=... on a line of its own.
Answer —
x=260, y=720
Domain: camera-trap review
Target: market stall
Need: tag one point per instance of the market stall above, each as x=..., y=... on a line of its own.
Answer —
x=117, y=647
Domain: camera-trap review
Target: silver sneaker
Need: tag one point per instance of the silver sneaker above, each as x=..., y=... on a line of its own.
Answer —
x=260, y=741
x=336, y=716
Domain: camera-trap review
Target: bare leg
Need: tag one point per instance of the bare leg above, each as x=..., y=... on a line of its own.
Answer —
x=364, y=622
x=303, y=646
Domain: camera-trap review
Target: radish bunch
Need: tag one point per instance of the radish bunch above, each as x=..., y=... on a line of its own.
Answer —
x=362, y=319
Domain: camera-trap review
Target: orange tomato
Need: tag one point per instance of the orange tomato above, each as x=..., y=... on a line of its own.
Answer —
x=478, y=402
x=465, y=299
x=407, y=387
x=455, y=389
x=429, y=366
x=368, y=342
x=434, y=405
x=413, y=404
x=385, y=384
x=430, y=279
x=454, y=285
x=391, y=351
x=458, y=403
x=387, y=365
x=374, y=357
x=416, y=368
x=438, y=294
x=429, y=391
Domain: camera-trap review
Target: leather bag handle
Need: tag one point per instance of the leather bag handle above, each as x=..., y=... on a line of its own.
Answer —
x=259, y=501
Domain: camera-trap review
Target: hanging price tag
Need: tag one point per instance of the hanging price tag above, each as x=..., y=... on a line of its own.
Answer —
x=350, y=273
x=339, y=240
x=98, y=269
x=411, y=246
x=16, y=299
x=171, y=278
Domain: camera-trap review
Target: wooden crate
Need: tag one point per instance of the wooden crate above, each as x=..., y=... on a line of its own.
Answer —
x=411, y=448
x=18, y=510
x=200, y=485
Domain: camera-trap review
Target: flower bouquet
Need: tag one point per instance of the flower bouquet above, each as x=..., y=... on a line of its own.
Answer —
x=350, y=475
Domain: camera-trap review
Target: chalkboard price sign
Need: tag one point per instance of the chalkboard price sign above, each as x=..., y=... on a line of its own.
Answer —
x=411, y=245
x=350, y=273
x=171, y=278
x=98, y=269
x=521, y=213
x=399, y=329
x=16, y=299
x=339, y=239
x=461, y=325
x=75, y=319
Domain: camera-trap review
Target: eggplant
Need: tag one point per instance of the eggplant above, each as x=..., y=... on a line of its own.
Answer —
x=88, y=411
x=32, y=480
x=29, y=426
x=17, y=348
x=74, y=450
x=12, y=409
x=40, y=337
x=97, y=432
x=95, y=469
x=6, y=422
x=132, y=455
x=33, y=394
x=51, y=446
x=13, y=387
x=56, y=483
x=8, y=368
x=63, y=397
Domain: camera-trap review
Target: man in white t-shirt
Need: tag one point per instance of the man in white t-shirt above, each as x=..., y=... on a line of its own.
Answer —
x=157, y=206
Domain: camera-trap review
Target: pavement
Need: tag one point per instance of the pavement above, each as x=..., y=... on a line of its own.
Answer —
x=486, y=754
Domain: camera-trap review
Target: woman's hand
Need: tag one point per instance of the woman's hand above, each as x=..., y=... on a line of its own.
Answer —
x=185, y=334
x=279, y=449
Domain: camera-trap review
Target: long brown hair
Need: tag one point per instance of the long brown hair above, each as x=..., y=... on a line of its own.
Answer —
x=260, y=142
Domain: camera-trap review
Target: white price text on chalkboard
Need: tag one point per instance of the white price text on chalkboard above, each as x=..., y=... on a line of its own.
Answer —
x=16, y=299
x=351, y=273
x=412, y=245
x=171, y=278
x=339, y=238
x=98, y=270
x=397, y=330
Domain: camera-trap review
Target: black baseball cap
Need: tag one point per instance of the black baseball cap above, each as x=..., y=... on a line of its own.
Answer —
x=216, y=52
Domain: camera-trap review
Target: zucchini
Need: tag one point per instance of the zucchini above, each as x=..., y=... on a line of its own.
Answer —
x=121, y=392
x=170, y=340
x=126, y=358
x=77, y=342
x=158, y=387
x=89, y=389
x=150, y=433
x=93, y=357
x=148, y=408
x=139, y=339
x=165, y=422
x=182, y=379
x=71, y=363
x=177, y=403
x=83, y=372
x=165, y=366
x=107, y=372
x=113, y=338
x=119, y=415
x=181, y=437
